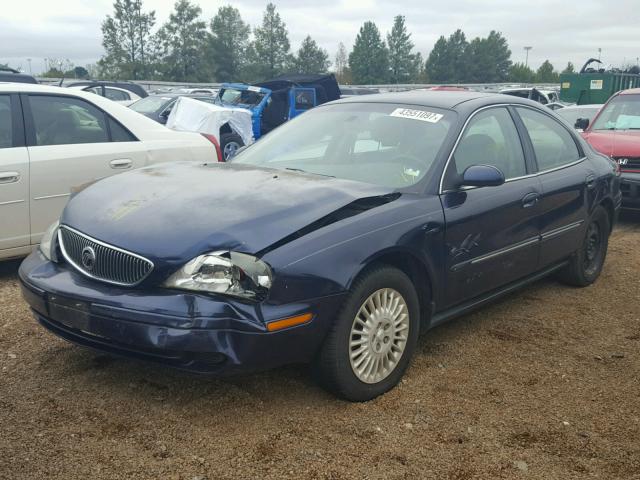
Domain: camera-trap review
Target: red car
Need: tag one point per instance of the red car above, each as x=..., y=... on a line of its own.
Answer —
x=615, y=132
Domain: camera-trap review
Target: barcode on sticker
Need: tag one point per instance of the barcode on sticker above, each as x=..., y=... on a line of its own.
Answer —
x=417, y=115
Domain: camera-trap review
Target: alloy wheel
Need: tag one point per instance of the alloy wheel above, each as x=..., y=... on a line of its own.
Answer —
x=230, y=149
x=379, y=335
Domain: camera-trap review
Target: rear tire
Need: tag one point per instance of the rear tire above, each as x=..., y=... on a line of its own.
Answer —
x=370, y=345
x=229, y=144
x=586, y=264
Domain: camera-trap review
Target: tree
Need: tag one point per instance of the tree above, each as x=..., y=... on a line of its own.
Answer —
x=403, y=66
x=182, y=41
x=369, y=60
x=521, y=73
x=418, y=69
x=546, y=73
x=271, y=45
x=448, y=62
x=569, y=68
x=229, y=42
x=488, y=59
x=438, y=66
x=311, y=58
x=341, y=64
x=80, y=72
x=125, y=38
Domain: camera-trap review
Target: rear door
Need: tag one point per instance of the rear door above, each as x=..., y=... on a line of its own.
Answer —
x=71, y=144
x=14, y=176
x=492, y=233
x=568, y=184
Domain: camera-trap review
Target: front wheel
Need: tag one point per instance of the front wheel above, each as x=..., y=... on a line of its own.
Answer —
x=586, y=264
x=370, y=345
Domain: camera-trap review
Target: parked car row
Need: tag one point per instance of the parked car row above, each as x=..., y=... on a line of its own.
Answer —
x=334, y=240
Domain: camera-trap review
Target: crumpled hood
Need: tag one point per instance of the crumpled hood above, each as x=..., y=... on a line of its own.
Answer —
x=172, y=212
x=615, y=143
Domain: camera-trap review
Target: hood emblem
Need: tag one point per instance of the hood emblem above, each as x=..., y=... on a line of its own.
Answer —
x=88, y=258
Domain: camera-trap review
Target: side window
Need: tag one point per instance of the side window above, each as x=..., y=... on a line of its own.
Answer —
x=119, y=133
x=6, y=123
x=552, y=143
x=61, y=120
x=304, y=99
x=116, y=95
x=490, y=138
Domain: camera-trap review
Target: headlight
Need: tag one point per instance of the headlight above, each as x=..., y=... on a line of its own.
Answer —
x=229, y=273
x=49, y=241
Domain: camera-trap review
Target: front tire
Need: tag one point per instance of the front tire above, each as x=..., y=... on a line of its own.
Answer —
x=371, y=343
x=586, y=264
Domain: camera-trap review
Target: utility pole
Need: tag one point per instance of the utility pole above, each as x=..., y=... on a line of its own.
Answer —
x=599, y=53
x=30, y=72
x=526, y=62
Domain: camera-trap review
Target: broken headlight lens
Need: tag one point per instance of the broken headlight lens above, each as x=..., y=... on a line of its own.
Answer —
x=229, y=273
x=48, y=242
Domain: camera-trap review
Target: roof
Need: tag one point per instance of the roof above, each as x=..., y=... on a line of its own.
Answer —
x=427, y=98
x=35, y=87
x=631, y=91
x=181, y=94
x=10, y=75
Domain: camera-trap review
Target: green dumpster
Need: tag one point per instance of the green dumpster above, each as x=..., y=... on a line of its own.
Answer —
x=588, y=88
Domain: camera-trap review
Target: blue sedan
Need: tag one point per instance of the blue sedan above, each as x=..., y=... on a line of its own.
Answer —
x=335, y=240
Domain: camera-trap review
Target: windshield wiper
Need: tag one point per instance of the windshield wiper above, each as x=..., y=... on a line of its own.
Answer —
x=305, y=171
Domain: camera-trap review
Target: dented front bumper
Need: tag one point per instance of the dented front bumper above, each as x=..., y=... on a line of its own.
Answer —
x=196, y=332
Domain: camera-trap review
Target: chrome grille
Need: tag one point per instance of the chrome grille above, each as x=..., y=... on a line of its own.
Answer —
x=102, y=261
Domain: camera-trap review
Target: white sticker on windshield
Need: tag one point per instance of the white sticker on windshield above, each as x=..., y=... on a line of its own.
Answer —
x=253, y=89
x=417, y=115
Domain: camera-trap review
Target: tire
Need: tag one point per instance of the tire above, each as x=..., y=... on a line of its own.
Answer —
x=586, y=264
x=334, y=366
x=229, y=144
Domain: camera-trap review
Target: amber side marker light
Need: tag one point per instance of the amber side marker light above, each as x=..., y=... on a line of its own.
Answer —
x=289, y=322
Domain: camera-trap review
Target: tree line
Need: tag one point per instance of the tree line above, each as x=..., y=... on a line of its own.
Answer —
x=187, y=48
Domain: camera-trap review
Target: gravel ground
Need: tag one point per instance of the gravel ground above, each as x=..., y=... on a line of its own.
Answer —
x=543, y=384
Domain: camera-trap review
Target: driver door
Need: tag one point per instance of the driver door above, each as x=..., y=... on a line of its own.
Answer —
x=492, y=235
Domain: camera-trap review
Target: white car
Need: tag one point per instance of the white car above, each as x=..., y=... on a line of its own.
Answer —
x=54, y=141
x=116, y=94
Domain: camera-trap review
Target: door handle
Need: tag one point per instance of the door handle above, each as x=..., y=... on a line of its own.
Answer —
x=121, y=163
x=9, y=177
x=590, y=181
x=530, y=199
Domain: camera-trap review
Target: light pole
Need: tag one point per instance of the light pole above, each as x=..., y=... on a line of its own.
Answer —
x=526, y=62
x=599, y=53
x=30, y=72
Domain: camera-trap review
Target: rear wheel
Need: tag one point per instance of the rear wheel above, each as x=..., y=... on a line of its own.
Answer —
x=370, y=345
x=230, y=143
x=586, y=264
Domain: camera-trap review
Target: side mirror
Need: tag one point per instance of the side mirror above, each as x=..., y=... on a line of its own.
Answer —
x=482, y=176
x=581, y=124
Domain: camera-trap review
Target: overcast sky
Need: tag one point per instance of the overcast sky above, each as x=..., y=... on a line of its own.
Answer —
x=558, y=31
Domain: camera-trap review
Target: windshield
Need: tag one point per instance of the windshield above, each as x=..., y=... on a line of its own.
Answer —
x=621, y=113
x=150, y=104
x=377, y=143
x=234, y=96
